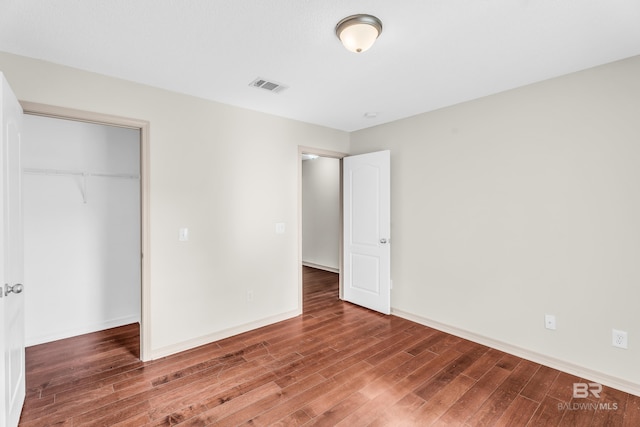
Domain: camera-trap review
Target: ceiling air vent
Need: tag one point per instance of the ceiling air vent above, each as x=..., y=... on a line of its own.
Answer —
x=269, y=85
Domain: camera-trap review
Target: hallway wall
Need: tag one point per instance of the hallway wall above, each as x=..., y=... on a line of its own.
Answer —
x=321, y=226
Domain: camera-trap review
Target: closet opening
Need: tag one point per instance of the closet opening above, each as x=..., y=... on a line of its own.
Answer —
x=85, y=192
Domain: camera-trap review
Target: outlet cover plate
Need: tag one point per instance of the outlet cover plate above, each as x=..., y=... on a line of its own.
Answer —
x=619, y=338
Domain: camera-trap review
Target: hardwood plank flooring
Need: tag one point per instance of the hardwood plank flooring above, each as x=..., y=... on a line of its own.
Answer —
x=337, y=364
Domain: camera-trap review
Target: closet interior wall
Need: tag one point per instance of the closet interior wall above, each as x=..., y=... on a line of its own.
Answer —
x=81, y=192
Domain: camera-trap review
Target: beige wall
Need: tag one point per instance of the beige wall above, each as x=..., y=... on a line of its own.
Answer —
x=228, y=174
x=521, y=204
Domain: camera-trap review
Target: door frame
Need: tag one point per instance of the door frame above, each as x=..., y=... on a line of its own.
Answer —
x=333, y=155
x=143, y=126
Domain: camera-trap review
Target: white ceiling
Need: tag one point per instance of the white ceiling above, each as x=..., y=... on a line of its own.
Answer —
x=431, y=54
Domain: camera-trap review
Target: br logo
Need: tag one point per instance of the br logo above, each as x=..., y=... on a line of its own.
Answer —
x=582, y=390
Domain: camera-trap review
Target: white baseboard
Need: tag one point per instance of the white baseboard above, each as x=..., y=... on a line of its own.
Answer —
x=207, y=339
x=84, y=329
x=321, y=267
x=561, y=365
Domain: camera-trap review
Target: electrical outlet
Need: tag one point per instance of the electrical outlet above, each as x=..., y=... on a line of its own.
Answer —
x=249, y=296
x=619, y=338
x=550, y=321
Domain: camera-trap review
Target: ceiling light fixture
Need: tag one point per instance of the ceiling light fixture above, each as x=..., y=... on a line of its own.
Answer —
x=359, y=32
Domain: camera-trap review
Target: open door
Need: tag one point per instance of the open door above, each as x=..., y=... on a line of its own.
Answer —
x=367, y=228
x=12, y=354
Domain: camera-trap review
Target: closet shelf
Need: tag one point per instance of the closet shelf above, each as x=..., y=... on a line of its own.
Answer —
x=83, y=175
x=36, y=171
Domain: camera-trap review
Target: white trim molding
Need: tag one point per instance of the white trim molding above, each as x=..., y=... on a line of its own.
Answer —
x=208, y=339
x=561, y=365
x=321, y=267
x=84, y=329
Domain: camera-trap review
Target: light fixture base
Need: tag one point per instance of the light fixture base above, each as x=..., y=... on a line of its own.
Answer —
x=359, y=32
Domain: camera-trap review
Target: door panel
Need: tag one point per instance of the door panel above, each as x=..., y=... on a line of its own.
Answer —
x=365, y=181
x=367, y=212
x=12, y=317
x=365, y=273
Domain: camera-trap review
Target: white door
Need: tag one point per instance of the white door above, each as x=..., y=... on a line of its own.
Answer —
x=367, y=227
x=12, y=368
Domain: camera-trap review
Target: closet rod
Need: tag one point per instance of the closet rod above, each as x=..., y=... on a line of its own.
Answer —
x=36, y=171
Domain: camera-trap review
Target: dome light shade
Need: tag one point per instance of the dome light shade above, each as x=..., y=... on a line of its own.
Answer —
x=358, y=32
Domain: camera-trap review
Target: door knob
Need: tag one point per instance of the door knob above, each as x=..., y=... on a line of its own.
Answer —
x=383, y=241
x=16, y=289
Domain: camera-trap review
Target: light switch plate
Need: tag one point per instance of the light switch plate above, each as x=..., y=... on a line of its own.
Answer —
x=183, y=234
x=550, y=321
x=280, y=228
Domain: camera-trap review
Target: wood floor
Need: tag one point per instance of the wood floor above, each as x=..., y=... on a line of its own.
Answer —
x=338, y=364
